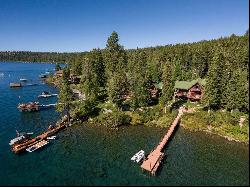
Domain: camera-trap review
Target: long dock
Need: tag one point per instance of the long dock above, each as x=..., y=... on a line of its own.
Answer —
x=21, y=147
x=152, y=162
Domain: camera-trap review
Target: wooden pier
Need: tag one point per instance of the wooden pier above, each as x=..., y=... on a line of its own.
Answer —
x=21, y=147
x=152, y=162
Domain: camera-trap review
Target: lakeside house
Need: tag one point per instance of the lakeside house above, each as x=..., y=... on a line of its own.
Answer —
x=78, y=95
x=191, y=90
x=155, y=90
x=59, y=73
x=75, y=79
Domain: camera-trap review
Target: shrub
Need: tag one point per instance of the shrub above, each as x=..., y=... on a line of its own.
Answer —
x=114, y=119
x=137, y=119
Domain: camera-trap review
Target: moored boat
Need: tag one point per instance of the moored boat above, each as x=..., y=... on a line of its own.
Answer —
x=46, y=94
x=37, y=146
x=22, y=79
x=51, y=138
x=15, y=84
x=21, y=138
x=138, y=156
x=43, y=75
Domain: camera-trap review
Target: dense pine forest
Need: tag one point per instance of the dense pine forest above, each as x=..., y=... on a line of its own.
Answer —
x=222, y=62
x=28, y=56
x=116, y=83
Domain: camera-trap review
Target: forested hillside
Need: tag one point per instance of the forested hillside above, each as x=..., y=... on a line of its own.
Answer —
x=28, y=56
x=222, y=62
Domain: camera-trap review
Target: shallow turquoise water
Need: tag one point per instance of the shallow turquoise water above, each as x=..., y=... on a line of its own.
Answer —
x=94, y=155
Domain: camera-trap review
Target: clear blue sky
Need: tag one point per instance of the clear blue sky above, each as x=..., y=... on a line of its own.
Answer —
x=81, y=25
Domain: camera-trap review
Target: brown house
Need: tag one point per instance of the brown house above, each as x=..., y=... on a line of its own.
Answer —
x=155, y=90
x=59, y=73
x=192, y=90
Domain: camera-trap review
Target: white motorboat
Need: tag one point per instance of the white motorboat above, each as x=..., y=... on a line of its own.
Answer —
x=138, y=156
x=21, y=137
x=23, y=79
x=37, y=146
x=51, y=138
x=46, y=94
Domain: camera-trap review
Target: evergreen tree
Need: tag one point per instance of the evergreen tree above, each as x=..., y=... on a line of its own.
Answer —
x=97, y=59
x=169, y=76
x=138, y=80
x=213, y=88
x=65, y=94
x=89, y=82
x=58, y=67
x=115, y=62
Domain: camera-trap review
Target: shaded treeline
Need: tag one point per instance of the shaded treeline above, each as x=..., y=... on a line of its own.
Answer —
x=116, y=72
x=222, y=62
x=28, y=56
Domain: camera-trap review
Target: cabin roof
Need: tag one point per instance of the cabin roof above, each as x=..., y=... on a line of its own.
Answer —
x=158, y=85
x=59, y=72
x=185, y=85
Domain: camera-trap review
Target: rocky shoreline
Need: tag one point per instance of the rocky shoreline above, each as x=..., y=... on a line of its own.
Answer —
x=212, y=133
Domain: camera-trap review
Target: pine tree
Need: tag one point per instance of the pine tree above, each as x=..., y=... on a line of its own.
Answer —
x=65, y=94
x=115, y=62
x=58, y=67
x=89, y=83
x=213, y=88
x=168, y=81
x=98, y=62
x=138, y=80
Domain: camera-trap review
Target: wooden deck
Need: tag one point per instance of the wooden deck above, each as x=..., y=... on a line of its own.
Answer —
x=152, y=162
x=21, y=147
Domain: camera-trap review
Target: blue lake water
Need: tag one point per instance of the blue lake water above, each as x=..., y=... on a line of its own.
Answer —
x=95, y=155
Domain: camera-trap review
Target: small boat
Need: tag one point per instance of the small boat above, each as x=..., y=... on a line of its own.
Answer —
x=43, y=76
x=46, y=94
x=23, y=80
x=37, y=146
x=31, y=84
x=13, y=85
x=138, y=156
x=51, y=138
x=21, y=137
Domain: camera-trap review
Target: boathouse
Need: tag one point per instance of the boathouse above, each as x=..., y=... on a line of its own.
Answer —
x=191, y=90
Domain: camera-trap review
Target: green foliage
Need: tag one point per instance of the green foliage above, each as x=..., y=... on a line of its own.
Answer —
x=114, y=119
x=168, y=79
x=89, y=83
x=138, y=80
x=221, y=123
x=65, y=94
x=58, y=67
x=85, y=108
x=214, y=86
x=115, y=63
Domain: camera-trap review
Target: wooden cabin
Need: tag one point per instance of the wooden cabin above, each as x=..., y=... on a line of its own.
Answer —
x=75, y=79
x=78, y=95
x=155, y=90
x=59, y=73
x=126, y=95
x=190, y=90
